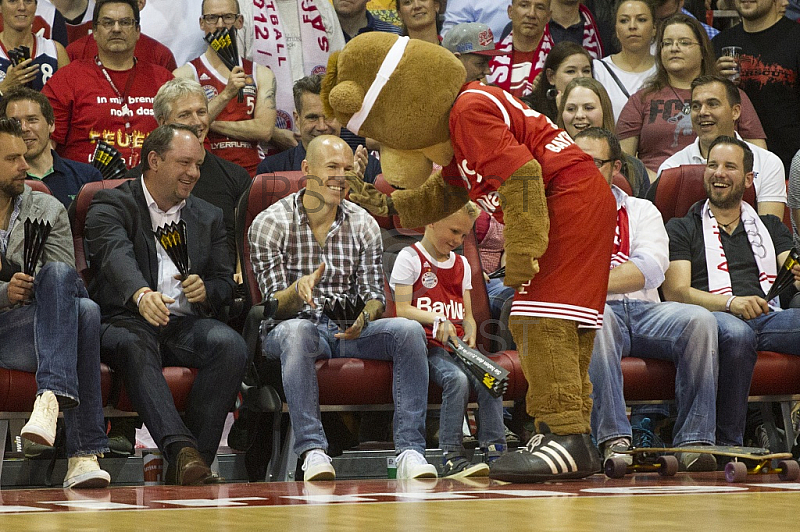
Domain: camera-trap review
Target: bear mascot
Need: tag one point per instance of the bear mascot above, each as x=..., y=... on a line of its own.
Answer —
x=558, y=210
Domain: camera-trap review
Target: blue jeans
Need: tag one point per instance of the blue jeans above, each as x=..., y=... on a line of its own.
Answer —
x=498, y=295
x=739, y=341
x=139, y=351
x=57, y=335
x=683, y=334
x=299, y=343
x=456, y=382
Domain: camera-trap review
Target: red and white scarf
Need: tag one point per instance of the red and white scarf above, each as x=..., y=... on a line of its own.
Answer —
x=270, y=49
x=719, y=278
x=502, y=65
x=622, y=238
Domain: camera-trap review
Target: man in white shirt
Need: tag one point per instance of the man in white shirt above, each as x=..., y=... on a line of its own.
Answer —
x=716, y=105
x=636, y=322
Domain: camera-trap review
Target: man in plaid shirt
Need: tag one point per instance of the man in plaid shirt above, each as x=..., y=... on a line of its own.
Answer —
x=314, y=245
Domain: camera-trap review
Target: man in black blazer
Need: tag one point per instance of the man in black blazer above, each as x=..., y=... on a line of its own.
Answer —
x=152, y=316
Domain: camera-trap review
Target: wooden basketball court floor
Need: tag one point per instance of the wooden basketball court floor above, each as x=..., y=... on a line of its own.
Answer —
x=687, y=501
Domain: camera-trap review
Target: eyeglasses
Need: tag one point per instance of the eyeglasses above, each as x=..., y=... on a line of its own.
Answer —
x=601, y=162
x=227, y=18
x=124, y=23
x=682, y=43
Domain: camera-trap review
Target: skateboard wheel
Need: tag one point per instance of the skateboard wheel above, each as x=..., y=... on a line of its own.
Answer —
x=735, y=472
x=790, y=470
x=668, y=466
x=615, y=467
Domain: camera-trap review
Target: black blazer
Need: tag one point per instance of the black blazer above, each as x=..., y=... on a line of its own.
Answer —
x=121, y=249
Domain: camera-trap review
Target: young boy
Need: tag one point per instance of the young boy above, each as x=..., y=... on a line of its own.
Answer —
x=432, y=286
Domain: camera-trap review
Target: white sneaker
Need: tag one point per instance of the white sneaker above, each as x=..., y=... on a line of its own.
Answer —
x=411, y=464
x=85, y=472
x=611, y=447
x=317, y=466
x=41, y=427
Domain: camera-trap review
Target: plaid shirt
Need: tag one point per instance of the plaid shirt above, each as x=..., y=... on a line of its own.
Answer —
x=283, y=249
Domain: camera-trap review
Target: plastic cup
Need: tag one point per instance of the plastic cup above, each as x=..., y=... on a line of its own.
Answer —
x=391, y=467
x=733, y=52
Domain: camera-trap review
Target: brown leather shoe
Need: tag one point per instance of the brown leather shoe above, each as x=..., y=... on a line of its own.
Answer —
x=189, y=469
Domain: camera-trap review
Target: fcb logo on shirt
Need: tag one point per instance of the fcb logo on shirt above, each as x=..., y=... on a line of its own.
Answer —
x=211, y=92
x=429, y=280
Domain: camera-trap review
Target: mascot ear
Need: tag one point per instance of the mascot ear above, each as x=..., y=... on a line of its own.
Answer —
x=339, y=98
x=346, y=98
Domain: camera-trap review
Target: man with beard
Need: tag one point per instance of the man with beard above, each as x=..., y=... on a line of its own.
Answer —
x=725, y=257
x=770, y=70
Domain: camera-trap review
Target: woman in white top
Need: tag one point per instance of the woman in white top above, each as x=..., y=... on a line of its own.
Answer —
x=624, y=73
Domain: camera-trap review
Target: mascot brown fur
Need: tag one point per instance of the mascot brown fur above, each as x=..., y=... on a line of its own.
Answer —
x=549, y=219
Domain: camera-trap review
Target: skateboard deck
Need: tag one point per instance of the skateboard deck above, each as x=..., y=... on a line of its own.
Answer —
x=663, y=461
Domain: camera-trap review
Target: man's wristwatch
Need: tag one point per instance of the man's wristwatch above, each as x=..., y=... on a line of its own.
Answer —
x=365, y=315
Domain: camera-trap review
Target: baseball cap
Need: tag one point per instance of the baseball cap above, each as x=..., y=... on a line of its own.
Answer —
x=471, y=38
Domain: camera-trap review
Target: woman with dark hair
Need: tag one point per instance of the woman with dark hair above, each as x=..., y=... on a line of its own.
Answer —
x=584, y=104
x=656, y=121
x=624, y=73
x=565, y=62
x=420, y=19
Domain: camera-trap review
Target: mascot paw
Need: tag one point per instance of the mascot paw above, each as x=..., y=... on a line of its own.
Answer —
x=367, y=196
x=520, y=268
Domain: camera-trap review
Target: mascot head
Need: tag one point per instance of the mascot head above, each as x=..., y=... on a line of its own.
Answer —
x=398, y=91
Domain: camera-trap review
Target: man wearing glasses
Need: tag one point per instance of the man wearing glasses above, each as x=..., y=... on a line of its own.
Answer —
x=724, y=256
x=241, y=98
x=147, y=49
x=635, y=321
x=108, y=97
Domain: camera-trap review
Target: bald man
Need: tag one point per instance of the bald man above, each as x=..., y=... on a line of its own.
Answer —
x=316, y=245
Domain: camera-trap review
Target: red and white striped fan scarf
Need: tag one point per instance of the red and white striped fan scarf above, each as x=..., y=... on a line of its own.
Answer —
x=719, y=278
x=502, y=65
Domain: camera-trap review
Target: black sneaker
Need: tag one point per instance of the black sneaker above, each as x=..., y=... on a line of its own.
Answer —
x=549, y=457
x=458, y=466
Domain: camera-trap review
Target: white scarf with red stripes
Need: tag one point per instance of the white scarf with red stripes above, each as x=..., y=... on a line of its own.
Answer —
x=719, y=278
x=270, y=49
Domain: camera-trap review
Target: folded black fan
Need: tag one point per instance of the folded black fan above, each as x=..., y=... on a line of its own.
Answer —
x=491, y=375
x=109, y=161
x=785, y=277
x=173, y=239
x=343, y=311
x=36, y=232
x=19, y=54
x=223, y=41
x=499, y=273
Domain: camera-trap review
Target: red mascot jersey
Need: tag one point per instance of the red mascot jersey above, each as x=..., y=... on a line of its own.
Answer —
x=242, y=152
x=493, y=135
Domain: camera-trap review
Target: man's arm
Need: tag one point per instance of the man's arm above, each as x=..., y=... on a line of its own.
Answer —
x=259, y=128
x=110, y=250
x=677, y=287
x=268, y=255
x=649, y=251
